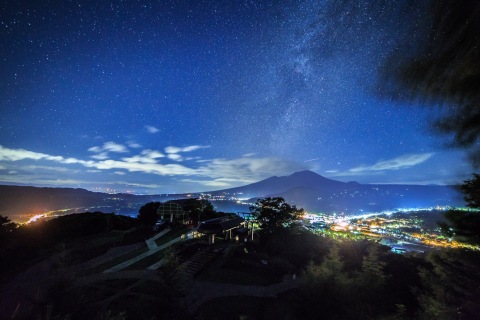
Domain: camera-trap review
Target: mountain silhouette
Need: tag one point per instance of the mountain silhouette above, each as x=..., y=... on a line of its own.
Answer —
x=312, y=191
x=305, y=189
x=275, y=185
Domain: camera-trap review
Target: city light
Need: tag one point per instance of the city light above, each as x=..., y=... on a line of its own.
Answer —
x=405, y=229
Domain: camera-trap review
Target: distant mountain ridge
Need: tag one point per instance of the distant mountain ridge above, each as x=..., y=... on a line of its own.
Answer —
x=274, y=185
x=312, y=191
x=21, y=202
x=305, y=189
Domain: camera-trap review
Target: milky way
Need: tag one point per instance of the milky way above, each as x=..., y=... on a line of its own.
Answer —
x=178, y=96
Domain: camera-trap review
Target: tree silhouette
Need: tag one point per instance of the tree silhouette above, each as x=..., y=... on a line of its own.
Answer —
x=471, y=190
x=274, y=214
x=326, y=286
x=147, y=214
x=6, y=226
x=444, y=70
x=465, y=225
x=198, y=209
x=372, y=274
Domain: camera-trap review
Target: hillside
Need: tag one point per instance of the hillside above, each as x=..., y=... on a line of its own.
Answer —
x=21, y=202
x=305, y=189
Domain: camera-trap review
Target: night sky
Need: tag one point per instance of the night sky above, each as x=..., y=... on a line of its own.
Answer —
x=180, y=96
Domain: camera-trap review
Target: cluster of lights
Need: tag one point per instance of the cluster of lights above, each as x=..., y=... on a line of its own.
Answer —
x=394, y=229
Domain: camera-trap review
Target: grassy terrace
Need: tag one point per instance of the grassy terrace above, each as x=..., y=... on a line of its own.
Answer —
x=108, y=264
x=92, y=246
x=147, y=261
x=176, y=232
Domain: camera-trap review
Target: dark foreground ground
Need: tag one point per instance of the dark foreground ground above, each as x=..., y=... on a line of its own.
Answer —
x=201, y=276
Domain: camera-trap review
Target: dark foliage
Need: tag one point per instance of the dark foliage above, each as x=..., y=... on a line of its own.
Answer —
x=471, y=190
x=198, y=209
x=451, y=285
x=354, y=281
x=6, y=227
x=444, y=70
x=297, y=246
x=147, y=214
x=465, y=225
x=462, y=225
x=274, y=214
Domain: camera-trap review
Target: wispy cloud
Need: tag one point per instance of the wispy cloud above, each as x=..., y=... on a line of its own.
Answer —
x=173, y=153
x=212, y=172
x=402, y=162
x=48, y=168
x=100, y=156
x=247, y=168
x=133, y=144
x=252, y=154
x=217, y=183
x=146, y=156
x=310, y=160
x=405, y=161
x=173, y=149
x=174, y=156
x=109, y=146
x=152, y=168
x=62, y=176
x=20, y=154
x=151, y=129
